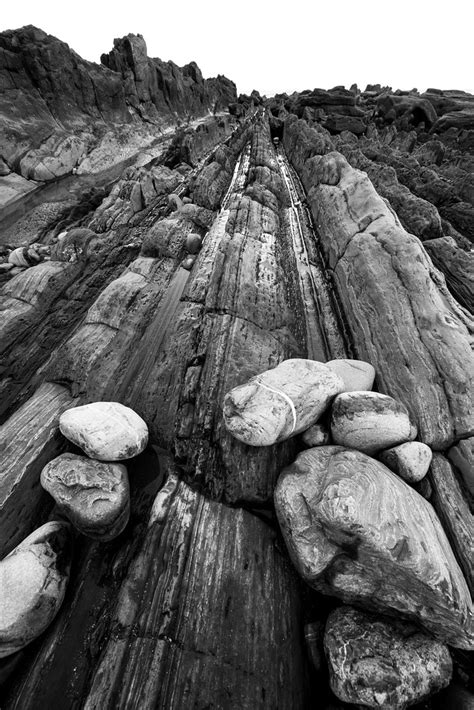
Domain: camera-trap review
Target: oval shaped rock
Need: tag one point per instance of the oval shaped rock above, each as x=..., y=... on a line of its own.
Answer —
x=410, y=461
x=379, y=663
x=106, y=431
x=316, y=435
x=94, y=495
x=193, y=243
x=33, y=580
x=281, y=402
x=369, y=421
x=356, y=374
x=357, y=531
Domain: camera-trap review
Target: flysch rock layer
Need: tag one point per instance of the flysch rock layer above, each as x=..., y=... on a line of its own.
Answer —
x=401, y=317
x=357, y=531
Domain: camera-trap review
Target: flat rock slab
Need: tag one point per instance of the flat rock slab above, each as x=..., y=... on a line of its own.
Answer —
x=369, y=421
x=357, y=531
x=356, y=374
x=33, y=579
x=94, y=495
x=410, y=461
x=381, y=663
x=106, y=431
x=280, y=403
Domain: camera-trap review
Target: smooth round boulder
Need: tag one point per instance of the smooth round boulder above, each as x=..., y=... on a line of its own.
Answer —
x=369, y=421
x=33, y=580
x=357, y=375
x=193, y=243
x=94, y=495
x=410, y=461
x=106, y=431
x=357, y=531
x=188, y=263
x=382, y=663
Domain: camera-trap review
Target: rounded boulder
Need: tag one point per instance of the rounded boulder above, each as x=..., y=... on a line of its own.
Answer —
x=106, y=431
x=369, y=421
x=410, y=461
x=33, y=580
x=94, y=495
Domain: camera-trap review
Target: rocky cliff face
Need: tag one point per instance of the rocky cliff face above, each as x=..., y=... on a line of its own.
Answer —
x=175, y=264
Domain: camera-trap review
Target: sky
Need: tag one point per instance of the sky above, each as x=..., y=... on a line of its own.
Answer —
x=277, y=47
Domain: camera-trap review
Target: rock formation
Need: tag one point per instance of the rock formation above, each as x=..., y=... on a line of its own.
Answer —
x=174, y=242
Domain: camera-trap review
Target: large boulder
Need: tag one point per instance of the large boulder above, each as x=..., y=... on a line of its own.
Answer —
x=280, y=403
x=357, y=531
x=94, y=495
x=33, y=579
x=106, y=431
x=369, y=421
x=379, y=663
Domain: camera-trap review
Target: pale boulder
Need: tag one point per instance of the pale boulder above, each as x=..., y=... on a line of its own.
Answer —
x=106, y=431
x=33, y=580
x=369, y=421
x=357, y=531
x=94, y=495
x=380, y=663
x=281, y=402
x=410, y=461
x=356, y=374
x=316, y=435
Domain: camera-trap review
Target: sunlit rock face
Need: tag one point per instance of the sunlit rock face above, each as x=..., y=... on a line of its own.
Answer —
x=357, y=531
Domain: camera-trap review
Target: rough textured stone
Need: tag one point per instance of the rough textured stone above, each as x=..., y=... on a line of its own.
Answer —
x=33, y=579
x=357, y=531
x=106, y=431
x=381, y=663
x=356, y=374
x=369, y=421
x=93, y=495
x=411, y=460
x=280, y=403
x=316, y=435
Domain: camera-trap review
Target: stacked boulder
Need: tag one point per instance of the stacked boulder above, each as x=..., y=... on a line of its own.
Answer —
x=93, y=493
x=355, y=529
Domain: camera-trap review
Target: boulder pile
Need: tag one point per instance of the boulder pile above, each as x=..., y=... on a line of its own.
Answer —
x=92, y=493
x=355, y=529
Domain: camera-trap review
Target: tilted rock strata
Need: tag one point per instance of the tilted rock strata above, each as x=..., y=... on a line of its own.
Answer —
x=33, y=579
x=106, y=431
x=280, y=403
x=93, y=495
x=355, y=530
x=382, y=276
x=381, y=663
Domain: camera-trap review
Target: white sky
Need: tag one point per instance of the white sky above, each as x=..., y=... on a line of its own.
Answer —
x=275, y=46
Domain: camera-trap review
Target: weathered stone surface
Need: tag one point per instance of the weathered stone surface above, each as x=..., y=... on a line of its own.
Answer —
x=33, y=579
x=453, y=510
x=462, y=457
x=369, y=421
x=280, y=403
x=381, y=663
x=356, y=374
x=357, y=531
x=93, y=495
x=28, y=440
x=411, y=460
x=457, y=265
x=106, y=431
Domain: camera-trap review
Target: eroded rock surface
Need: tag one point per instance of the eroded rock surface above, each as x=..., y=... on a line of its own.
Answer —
x=380, y=663
x=93, y=495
